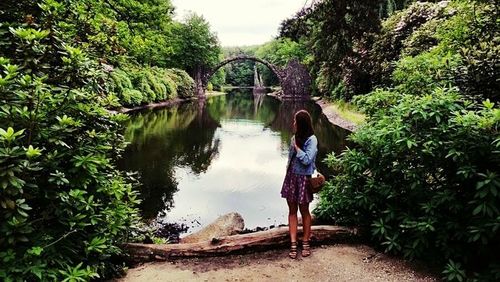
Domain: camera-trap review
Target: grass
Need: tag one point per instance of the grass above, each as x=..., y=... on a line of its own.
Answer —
x=347, y=111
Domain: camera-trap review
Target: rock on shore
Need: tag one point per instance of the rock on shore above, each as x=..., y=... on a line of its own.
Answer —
x=228, y=224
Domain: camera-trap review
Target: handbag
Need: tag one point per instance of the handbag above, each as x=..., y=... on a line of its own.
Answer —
x=316, y=183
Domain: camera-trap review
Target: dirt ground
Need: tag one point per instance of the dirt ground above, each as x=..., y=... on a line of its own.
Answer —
x=341, y=262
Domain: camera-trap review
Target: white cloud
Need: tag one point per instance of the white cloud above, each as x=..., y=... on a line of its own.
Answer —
x=241, y=22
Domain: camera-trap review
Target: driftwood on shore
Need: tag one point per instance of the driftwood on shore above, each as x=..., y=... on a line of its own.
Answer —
x=276, y=237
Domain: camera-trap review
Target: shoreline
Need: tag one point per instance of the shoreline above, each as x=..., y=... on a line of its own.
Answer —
x=167, y=103
x=326, y=109
x=332, y=116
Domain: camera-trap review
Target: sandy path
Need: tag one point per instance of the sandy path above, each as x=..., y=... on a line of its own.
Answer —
x=327, y=263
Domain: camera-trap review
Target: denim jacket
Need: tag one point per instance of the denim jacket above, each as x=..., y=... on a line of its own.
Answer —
x=304, y=161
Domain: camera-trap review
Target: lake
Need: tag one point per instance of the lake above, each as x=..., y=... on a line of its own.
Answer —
x=201, y=159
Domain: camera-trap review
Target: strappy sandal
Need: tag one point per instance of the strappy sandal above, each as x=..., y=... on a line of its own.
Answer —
x=306, y=249
x=293, y=250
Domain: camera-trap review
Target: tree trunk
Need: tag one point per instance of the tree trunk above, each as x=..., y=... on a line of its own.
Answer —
x=276, y=237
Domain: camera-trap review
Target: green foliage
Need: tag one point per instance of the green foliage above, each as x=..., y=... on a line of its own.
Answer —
x=423, y=73
x=436, y=45
x=196, y=47
x=279, y=52
x=239, y=73
x=65, y=208
x=423, y=39
x=377, y=102
x=135, y=86
x=424, y=180
x=389, y=7
x=132, y=97
x=141, y=30
x=299, y=26
x=166, y=83
x=111, y=28
x=476, y=76
x=123, y=34
x=340, y=42
x=408, y=32
x=218, y=79
x=210, y=86
x=185, y=84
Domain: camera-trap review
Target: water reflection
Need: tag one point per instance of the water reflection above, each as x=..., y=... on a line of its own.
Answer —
x=226, y=153
x=160, y=141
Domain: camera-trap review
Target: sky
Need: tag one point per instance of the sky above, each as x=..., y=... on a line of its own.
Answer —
x=241, y=22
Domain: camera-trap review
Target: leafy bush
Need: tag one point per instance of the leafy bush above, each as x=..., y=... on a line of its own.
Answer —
x=148, y=85
x=466, y=54
x=65, y=208
x=423, y=39
x=210, y=86
x=423, y=73
x=162, y=75
x=377, y=102
x=408, y=29
x=476, y=77
x=121, y=80
x=133, y=97
x=141, y=85
x=424, y=180
x=185, y=84
x=218, y=79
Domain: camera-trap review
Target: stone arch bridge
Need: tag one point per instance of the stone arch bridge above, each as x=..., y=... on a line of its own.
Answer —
x=294, y=79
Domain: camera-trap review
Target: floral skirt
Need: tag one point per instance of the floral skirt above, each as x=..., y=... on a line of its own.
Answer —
x=294, y=188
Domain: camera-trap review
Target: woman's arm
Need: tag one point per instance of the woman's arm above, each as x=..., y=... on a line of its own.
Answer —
x=307, y=155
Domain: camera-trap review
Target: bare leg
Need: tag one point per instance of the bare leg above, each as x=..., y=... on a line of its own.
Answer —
x=292, y=228
x=306, y=221
x=292, y=220
x=306, y=227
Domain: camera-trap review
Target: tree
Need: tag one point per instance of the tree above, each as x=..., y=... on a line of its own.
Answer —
x=279, y=52
x=196, y=47
x=340, y=41
x=65, y=208
x=299, y=26
x=389, y=7
x=144, y=29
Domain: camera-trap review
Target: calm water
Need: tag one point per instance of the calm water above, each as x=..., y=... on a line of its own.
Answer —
x=202, y=159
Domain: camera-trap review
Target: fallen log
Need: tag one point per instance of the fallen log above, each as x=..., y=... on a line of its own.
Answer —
x=276, y=237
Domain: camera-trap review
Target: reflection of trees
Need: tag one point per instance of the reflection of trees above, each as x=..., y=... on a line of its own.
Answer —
x=258, y=100
x=283, y=121
x=164, y=139
x=330, y=138
x=183, y=136
x=197, y=144
x=240, y=104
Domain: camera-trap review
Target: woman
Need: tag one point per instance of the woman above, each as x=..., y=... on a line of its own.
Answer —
x=301, y=164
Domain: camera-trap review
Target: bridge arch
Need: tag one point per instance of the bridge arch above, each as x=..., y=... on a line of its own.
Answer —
x=294, y=80
x=275, y=69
